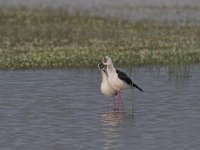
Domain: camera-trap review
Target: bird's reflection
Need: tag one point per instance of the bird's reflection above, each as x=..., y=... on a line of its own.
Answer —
x=111, y=119
x=110, y=128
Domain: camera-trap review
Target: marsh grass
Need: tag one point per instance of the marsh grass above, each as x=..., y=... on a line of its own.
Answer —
x=56, y=39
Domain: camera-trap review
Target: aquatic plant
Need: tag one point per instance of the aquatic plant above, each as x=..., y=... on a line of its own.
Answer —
x=56, y=39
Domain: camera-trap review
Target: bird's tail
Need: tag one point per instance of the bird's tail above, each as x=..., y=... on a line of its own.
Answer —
x=134, y=85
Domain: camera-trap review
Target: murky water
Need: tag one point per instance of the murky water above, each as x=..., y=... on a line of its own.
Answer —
x=63, y=109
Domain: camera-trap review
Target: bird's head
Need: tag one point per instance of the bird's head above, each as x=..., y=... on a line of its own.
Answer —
x=102, y=67
x=107, y=61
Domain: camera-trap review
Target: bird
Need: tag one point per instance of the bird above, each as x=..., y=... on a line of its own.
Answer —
x=117, y=79
x=105, y=87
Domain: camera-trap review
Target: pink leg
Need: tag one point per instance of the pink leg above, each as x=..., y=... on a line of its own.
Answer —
x=114, y=102
x=121, y=102
x=118, y=103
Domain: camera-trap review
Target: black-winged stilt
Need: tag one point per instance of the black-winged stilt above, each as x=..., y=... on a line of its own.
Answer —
x=117, y=79
x=105, y=88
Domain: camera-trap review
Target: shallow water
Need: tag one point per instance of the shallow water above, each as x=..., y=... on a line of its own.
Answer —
x=63, y=109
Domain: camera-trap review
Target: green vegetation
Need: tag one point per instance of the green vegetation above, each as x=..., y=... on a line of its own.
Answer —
x=56, y=39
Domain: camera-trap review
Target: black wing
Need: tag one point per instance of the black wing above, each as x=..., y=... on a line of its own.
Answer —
x=126, y=79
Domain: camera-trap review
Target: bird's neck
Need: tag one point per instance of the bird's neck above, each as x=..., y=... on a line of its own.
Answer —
x=111, y=69
x=104, y=76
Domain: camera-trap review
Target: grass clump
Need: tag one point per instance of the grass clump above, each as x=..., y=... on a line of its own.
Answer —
x=56, y=39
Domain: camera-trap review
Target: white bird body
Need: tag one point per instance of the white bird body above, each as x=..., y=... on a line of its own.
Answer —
x=114, y=80
x=106, y=88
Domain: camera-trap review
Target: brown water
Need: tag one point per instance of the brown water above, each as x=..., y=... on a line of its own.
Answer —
x=64, y=109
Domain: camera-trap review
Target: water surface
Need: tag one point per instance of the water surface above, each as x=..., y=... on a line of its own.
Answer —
x=63, y=109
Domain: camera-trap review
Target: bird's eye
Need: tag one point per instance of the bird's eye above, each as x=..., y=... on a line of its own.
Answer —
x=105, y=60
